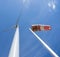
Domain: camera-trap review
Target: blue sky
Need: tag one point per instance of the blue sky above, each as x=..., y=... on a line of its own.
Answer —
x=32, y=12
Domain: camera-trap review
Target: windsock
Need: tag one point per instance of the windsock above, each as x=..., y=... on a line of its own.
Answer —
x=40, y=27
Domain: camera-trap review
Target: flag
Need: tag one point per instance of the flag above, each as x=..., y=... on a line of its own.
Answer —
x=40, y=27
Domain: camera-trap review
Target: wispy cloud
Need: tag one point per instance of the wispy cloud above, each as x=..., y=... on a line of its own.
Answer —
x=52, y=5
x=26, y=3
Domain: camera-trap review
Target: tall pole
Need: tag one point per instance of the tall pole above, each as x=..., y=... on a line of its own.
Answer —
x=44, y=44
x=14, y=51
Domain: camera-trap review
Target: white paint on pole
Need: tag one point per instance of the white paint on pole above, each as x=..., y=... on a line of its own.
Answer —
x=47, y=47
x=14, y=51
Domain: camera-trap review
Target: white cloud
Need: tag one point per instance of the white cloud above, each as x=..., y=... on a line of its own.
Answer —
x=26, y=3
x=52, y=5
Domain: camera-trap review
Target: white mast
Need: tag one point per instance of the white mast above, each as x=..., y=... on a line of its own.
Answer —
x=14, y=51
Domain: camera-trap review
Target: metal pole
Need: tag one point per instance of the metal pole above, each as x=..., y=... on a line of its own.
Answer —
x=46, y=46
